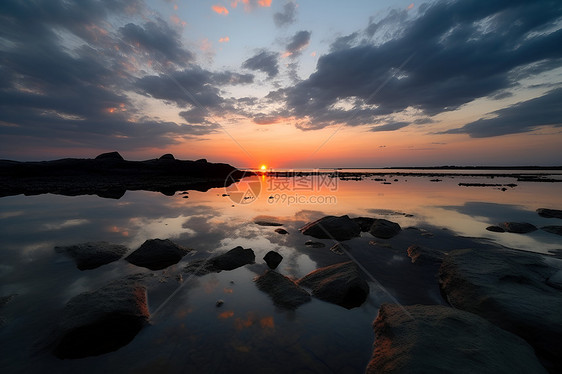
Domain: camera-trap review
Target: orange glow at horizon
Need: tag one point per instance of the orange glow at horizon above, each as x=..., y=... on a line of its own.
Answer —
x=263, y=167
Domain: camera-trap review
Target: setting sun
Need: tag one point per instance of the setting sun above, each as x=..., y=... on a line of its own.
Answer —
x=263, y=167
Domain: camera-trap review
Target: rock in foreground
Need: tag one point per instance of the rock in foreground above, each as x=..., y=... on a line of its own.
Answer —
x=94, y=323
x=92, y=255
x=273, y=259
x=332, y=227
x=549, y=213
x=339, y=284
x=518, y=227
x=230, y=260
x=283, y=291
x=156, y=254
x=439, y=339
x=511, y=290
x=384, y=229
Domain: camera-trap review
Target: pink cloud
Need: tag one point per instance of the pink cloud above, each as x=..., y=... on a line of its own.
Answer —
x=219, y=9
x=226, y=39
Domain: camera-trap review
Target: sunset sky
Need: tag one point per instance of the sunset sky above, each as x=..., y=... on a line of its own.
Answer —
x=284, y=83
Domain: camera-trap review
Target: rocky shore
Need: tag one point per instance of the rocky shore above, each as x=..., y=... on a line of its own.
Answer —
x=109, y=175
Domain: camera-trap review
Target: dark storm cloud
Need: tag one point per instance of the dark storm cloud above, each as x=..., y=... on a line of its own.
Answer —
x=65, y=75
x=298, y=42
x=157, y=40
x=518, y=118
x=287, y=16
x=264, y=61
x=390, y=126
x=450, y=54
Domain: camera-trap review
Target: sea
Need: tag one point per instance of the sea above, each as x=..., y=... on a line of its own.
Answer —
x=189, y=331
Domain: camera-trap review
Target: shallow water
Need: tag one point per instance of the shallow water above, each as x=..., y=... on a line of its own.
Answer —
x=247, y=333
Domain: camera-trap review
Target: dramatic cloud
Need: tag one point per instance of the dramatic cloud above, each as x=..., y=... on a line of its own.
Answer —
x=299, y=42
x=450, y=54
x=287, y=16
x=263, y=61
x=521, y=117
x=65, y=79
x=156, y=40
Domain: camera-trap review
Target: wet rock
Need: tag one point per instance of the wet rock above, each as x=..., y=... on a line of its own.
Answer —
x=156, y=254
x=510, y=289
x=424, y=255
x=553, y=229
x=268, y=223
x=281, y=231
x=101, y=321
x=219, y=303
x=518, y=227
x=364, y=222
x=555, y=280
x=384, y=229
x=339, y=284
x=283, y=291
x=310, y=243
x=230, y=260
x=440, y=339
x=273, y=259
x=495, y=229
x=92, y=255
x=549, y=213
x=339, y=248
x=332, y=227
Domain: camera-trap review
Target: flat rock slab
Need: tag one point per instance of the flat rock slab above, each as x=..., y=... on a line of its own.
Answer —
x=425, y=255
x=549, y=213
x=340, y=284
x=364, y=222
x=440, y=339
x=230, y=260
x=92, y=255
x=512, y=290
x=284, y=292
x=518, y=227
x=384, y=229
x=332, y=227
x=156, y=254
x=101, y=321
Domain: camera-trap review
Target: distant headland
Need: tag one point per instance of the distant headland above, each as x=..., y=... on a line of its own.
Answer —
x=110, y=175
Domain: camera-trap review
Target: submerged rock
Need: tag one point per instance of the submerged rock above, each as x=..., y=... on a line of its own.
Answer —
x=267, y=223
x=273, y=259
x=101, y=321
x=495, y=229
x=439, y=339
x=549, y=213
x=283, y=291
x=553, y=229
x=384, y=229
x=312, y=244
x=91, y=255
x=332, y=227
x=339, y=248
x=281, y=231
x=510, y=289
x=156, y=254
x=424, y=255
x=339, y=284
x=518, y=227
x=230, y=260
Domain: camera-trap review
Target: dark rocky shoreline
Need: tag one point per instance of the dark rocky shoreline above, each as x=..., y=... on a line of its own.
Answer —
x=110, y=176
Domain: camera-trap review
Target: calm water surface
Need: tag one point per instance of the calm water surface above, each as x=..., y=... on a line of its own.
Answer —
x=188, y=333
